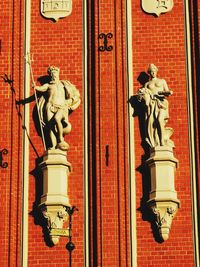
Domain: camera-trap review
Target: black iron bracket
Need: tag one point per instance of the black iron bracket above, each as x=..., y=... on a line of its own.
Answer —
x=105, y=38
x=107, y=155
x=3, y=152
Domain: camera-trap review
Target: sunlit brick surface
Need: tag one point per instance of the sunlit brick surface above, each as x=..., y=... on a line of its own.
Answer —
x=155, y=40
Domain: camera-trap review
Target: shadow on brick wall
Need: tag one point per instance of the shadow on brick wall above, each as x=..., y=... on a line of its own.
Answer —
x=143, y=169
x=37, y=173
x=36, y=210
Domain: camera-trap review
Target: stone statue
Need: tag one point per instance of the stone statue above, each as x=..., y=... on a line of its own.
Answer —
x=153, y=95
x=58, y=99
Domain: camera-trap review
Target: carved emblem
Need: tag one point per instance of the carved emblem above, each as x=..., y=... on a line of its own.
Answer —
x=55, y=9
x=157, y=6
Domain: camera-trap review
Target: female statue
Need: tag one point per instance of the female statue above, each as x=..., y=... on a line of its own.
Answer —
x=153, y=95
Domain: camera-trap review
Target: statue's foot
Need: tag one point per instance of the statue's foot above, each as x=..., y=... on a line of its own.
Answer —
x=168, y=132
x=62, y=146
x=170, y=143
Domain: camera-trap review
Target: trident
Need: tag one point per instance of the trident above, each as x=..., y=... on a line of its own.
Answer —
x=28, y=58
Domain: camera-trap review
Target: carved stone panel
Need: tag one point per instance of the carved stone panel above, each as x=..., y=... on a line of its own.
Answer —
x=157, y=6
x=55, y=9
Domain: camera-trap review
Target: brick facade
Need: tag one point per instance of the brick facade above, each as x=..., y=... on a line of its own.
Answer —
x=159, y=40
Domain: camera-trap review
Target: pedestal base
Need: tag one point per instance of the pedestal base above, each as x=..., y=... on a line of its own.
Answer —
x=163, y=198
x=54, y=200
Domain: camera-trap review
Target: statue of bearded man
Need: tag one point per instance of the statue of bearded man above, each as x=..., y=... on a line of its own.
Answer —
x=58, y=98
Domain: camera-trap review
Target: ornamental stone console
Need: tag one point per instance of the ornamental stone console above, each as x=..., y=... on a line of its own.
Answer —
x=54, y=200
x=57, y=100
x=162, y=164
x=163, y=197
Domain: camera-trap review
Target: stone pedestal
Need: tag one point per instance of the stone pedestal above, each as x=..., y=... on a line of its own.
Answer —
x=54, y=199
x=163, y=197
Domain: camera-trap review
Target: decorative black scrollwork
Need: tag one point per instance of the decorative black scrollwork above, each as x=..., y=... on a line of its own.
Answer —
x=105, y=38
x=3, y=152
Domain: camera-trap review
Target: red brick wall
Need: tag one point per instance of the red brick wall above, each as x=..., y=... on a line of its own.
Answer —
x=108, y=124
x=155, y=40
x=195, y=24
x=58, y=44
x=11, y=57
x=161, y=41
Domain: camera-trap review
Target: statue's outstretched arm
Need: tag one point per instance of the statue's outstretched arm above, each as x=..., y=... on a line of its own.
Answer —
x=42, y=88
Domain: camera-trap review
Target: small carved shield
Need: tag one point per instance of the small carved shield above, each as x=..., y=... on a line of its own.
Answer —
x=55, y=9
x=157, y=6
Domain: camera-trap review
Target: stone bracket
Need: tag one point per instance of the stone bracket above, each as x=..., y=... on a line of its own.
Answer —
x=163, y=200
x=54, y=202
x=164, y=212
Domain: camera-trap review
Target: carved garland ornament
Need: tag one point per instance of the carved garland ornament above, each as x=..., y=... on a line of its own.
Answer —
x=164, y=216
x=56, y=216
